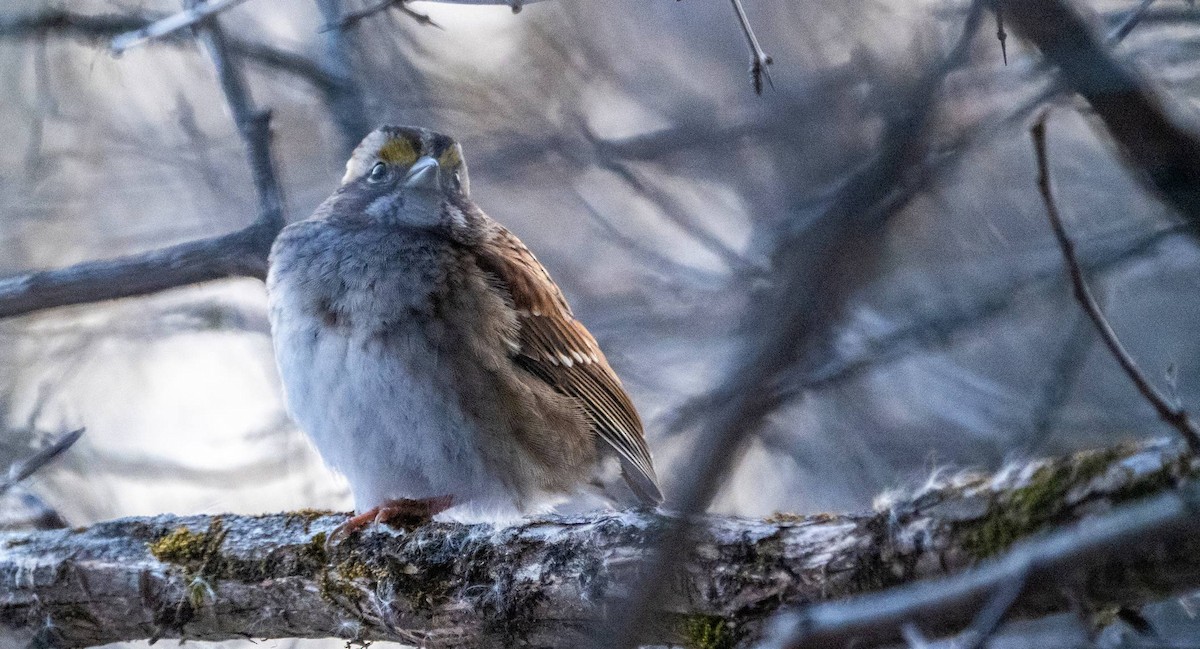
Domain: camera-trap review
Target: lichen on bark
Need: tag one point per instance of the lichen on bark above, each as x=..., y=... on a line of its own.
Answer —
x=544, y=582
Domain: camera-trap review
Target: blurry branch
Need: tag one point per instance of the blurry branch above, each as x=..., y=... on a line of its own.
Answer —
x=778, y=322
x=677, y=214
x=1177, y=417
x=943, y=324
x=347, y=104
x=939, y=327
x=242, y=253
x=30, y=465
x=334, y=80
x=1001, y=35
x=171, y=24
x=543, y=582
x=1041, y=574
x=1141, y=121
x=1059, y=380
x=101, y=28
x=252, y=124
x=759, y=60
x=652, y=256
x=1130, y=21
x=350, y=19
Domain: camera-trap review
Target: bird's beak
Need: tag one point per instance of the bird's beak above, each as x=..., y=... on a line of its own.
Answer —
x=424, y=174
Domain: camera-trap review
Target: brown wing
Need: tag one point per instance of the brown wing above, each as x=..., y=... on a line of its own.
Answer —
x=558, y=349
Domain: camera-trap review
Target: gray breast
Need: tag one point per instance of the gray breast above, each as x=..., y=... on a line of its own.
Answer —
x=366, y=366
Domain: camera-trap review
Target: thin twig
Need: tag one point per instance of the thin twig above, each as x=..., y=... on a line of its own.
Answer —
x=1135, y=16
x=352, y=18
x=195, y=14
x=22, y=469
x=1001, y=35
x=422, y=19
x=759, y=60
x=1176, y=417
x=253, y=124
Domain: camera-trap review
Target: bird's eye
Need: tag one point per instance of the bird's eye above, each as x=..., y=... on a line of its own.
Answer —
x=378, y=174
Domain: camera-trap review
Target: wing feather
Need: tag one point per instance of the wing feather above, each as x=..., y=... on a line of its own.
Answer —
x=559, y=350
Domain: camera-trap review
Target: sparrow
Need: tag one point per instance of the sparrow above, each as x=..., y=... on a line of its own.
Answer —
x=428, y=354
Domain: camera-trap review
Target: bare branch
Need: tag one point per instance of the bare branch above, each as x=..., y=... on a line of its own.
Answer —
x=802, y=259
x=543, y=582
x=30, y=465
x=1130, y=21
x=1176, y=417
x=188, y=17
x=759, y=60
x=102, y=28
x=253, y=124
x=352, y=18
x=240, y=254
x=347, y=104
x=1142, y=121
x=1001, y=35
x=1056, y=562
x=987, y=622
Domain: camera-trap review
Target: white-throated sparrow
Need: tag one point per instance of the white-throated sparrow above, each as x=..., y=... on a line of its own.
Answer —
x=428, y=353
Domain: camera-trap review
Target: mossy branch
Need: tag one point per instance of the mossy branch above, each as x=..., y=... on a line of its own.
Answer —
x=544, y=582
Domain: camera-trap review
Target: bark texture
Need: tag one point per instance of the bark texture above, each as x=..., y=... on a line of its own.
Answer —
x=544, y=582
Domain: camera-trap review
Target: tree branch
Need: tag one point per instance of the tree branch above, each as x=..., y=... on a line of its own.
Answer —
x=802, y=261
x=242, y=253
x=347, y=104
x=101, y=28
x=252, y=124
x=546, y=581
x=175, y=22
x=1037, y=571
x=1143, y=122
x=1177, y=417
x=759, y=60
x=239, y=254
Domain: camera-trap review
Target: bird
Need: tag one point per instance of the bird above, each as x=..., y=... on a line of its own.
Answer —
x=430, y=357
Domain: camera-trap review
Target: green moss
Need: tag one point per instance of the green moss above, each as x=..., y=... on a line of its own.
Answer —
x=198, y=554
x=190, y=549
x=1032, y=508
x=1023, y=512
x=306, y=517
x=708, y=632
x=315, y=550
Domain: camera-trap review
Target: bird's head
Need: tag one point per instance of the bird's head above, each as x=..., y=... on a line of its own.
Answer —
x=403, y=175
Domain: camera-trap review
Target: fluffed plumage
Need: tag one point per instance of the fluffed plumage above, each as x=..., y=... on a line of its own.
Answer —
x=428, y=353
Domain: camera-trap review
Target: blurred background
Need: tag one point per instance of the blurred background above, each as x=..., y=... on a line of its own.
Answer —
x=624, y=143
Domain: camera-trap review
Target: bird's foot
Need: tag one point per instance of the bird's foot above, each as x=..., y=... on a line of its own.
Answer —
x=403, y=512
